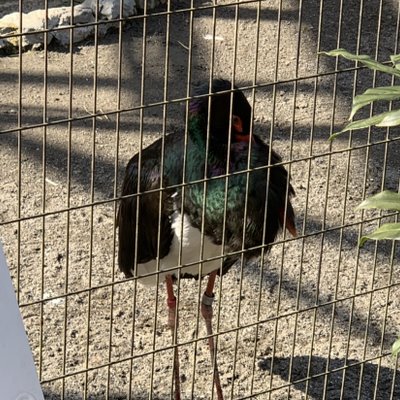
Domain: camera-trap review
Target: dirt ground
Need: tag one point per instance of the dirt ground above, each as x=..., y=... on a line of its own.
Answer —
x=318, y=304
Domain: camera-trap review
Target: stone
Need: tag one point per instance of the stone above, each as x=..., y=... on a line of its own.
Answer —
x=82, y=15
x=109, y=9
x=57, y=17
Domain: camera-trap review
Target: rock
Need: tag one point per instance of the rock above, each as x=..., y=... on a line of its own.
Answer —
x=37, y=46
x=57, y=17
x=10, y=22
x=109, y=9
x=31, y=22
x=82, y=15
x=6, y=47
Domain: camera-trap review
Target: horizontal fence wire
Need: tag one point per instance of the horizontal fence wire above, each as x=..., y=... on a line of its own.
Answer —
x=173, y=101
x=314, y=316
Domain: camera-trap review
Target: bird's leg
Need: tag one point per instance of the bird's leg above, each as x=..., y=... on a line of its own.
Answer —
x=207, y=313
x=171, y=302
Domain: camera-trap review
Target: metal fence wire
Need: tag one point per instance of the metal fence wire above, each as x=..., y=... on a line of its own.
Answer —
x=317, y=317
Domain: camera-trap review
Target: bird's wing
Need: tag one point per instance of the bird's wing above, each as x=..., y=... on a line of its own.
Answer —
x=278, y=182
x=275, y=181
x=144, y=217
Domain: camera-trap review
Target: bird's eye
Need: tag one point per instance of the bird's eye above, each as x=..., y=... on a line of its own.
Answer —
x=235, y=120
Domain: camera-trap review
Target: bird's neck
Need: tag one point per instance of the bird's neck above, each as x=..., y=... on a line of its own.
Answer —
x=198, y=129
x=198, y=135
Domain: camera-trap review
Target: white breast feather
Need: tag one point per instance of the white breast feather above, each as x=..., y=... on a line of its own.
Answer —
x=190, y=238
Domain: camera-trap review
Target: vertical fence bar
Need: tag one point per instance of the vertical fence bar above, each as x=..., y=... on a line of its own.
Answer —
x=228, y=170
x=138, y=188
x=115, y=190
x=92, y=195
x=161, y=193
x=273, y=118
x=341, y=231
x=292, y=129
x=68, y=200
x=308, y=175
x=394, y=244
x=44, y=153
x=185, y=149
x=175, y=360
x=205, y=182
x=19, y=150
x=325, y=211
x=368, y=319
x=262, y=254
x=342, y=393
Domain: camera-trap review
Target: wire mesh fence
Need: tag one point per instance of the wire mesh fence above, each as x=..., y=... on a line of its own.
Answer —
x=317, y=317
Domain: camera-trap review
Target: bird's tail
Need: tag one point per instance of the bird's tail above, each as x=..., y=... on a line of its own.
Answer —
x=289, y=222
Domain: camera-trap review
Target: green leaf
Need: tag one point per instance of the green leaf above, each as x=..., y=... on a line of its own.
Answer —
x=363, y=59
x=389, y=118
x=385, y=200
x=395, y=60
x=375, y=94
x=396, y=348
x=386, y=231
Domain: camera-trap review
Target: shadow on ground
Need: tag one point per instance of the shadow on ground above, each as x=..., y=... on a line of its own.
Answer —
x=357, y=380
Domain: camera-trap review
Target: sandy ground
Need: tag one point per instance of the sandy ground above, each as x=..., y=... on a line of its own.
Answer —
x=317, y=305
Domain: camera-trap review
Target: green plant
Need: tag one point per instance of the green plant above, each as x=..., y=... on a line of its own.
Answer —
x=383, y=93
x=385, y=200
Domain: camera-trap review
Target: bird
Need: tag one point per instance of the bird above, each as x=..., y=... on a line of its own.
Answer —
x=190, y=200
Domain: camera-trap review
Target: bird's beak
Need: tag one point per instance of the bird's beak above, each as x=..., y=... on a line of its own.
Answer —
x=237, y=125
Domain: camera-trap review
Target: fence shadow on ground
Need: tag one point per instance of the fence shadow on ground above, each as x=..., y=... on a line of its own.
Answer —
x=359, y=380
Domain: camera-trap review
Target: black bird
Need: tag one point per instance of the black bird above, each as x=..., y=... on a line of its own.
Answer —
x=166, y=224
